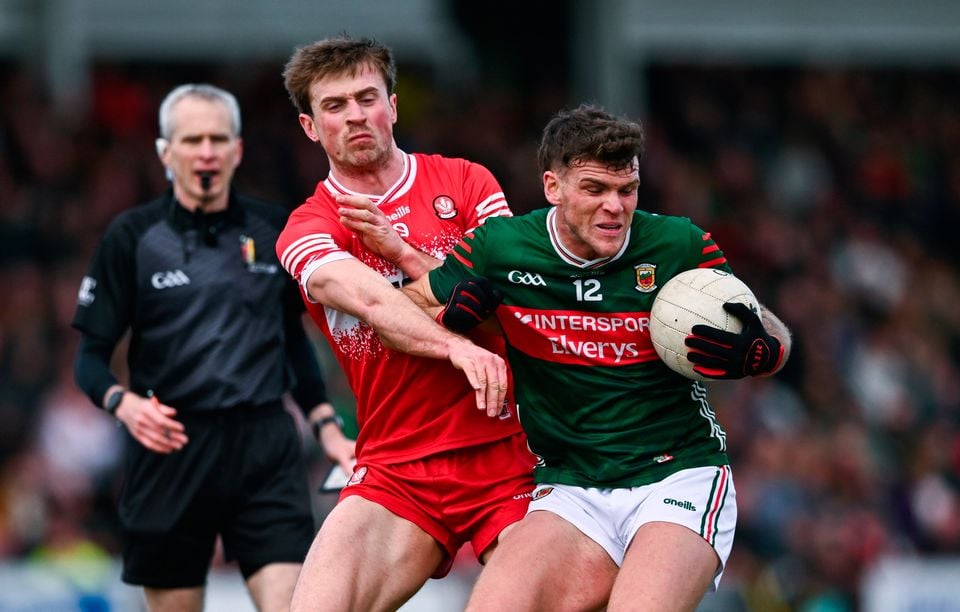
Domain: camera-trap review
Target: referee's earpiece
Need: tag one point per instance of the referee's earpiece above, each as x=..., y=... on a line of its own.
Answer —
x=161, y=144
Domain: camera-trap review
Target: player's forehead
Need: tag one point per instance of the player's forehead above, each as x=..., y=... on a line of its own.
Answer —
x=601, y=172
x=347, y=84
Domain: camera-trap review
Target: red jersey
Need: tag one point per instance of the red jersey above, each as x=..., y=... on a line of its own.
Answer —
x=407, y=407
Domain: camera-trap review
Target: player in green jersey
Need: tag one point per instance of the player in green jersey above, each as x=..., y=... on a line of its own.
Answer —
x=635, y=503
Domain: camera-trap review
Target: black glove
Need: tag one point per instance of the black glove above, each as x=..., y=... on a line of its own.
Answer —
x=471, y=303
x=721, y=354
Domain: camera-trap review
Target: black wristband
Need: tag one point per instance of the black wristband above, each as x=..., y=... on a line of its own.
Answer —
x=323, y=422
x=113, y=402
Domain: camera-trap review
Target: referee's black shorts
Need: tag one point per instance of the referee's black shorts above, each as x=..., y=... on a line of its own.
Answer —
x=241, y=475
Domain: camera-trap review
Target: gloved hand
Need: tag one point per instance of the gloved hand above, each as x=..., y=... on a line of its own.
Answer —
x=471, y=302
x=725, y=355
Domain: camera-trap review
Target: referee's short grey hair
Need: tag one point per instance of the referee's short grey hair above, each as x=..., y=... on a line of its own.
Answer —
x=197, y=90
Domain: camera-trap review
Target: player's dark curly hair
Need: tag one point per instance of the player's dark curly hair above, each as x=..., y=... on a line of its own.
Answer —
x=589, y=133
x=335, y=56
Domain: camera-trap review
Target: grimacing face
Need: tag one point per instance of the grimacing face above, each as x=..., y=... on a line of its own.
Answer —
x=353, y=118
x=202, y=142
x=595, y=205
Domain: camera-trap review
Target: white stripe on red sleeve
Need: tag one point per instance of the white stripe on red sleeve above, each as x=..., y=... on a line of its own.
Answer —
x=311, y=246
x=494, y=206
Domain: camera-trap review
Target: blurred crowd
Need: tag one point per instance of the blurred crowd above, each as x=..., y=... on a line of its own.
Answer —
x=833, y=192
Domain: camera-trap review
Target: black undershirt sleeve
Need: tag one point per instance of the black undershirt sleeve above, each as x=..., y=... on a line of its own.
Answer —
x=91, y=369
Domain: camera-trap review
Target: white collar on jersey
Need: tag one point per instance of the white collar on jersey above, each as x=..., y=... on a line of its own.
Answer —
x=400, y=187
x=574, y=260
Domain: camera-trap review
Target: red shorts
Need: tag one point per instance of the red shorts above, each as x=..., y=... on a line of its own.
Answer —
x=459, y=496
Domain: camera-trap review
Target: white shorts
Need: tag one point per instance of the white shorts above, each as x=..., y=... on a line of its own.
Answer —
x=701, y=499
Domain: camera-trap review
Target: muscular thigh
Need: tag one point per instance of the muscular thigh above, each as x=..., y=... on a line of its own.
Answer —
x=373, y=531
x=668, y=566
x=365, y=558
x=545, y=563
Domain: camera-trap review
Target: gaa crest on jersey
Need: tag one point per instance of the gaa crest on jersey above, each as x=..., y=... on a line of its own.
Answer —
x=444, y=207
x=646, y=275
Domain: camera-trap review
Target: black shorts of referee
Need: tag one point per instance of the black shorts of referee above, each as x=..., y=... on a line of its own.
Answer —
x=241, y=475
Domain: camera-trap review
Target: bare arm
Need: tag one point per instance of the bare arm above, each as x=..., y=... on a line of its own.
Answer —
x=421, y=294
x=351, y=287
x=339, y=448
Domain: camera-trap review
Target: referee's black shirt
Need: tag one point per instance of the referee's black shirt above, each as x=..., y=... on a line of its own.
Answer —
x=206, y=300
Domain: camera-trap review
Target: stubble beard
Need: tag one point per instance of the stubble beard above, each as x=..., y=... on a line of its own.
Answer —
x=366, y=158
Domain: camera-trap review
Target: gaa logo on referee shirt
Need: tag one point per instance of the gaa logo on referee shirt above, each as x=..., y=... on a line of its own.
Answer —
x=169, y=279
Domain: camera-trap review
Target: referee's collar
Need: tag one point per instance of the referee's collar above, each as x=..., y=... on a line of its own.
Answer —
x=183, y=219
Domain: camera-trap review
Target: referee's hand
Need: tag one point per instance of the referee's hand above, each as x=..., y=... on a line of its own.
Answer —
x=336, y=445
x=151, y=423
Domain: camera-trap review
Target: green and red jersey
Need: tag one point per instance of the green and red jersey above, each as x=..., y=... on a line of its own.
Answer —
x=599, y=407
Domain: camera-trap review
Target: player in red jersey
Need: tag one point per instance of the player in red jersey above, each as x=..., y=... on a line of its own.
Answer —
x=433, y=472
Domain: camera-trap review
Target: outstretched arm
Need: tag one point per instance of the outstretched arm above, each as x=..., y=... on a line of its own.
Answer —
x=351, y=287
x=471, y=304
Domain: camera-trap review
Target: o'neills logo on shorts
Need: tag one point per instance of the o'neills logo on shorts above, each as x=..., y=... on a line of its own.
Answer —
x=357, y=477
x=542, y=492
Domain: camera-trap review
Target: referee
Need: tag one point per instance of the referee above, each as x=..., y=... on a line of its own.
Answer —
x=215, y=340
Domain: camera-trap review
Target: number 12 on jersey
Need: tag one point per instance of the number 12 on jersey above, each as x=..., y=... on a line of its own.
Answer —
x=588, y=290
